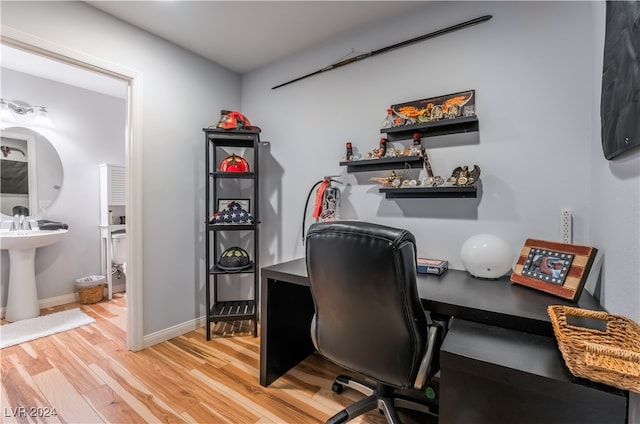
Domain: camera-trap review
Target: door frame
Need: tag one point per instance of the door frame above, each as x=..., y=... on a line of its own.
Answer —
x=133, y=161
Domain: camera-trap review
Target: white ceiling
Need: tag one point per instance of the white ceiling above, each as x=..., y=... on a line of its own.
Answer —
x=239, y=35
x=246, y=35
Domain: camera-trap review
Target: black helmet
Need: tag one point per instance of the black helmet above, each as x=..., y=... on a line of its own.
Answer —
x=234, y=259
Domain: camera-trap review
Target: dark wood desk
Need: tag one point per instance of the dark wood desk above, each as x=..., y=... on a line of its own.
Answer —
x=287, y=308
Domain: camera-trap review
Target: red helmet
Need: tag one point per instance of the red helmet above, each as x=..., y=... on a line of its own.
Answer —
x=234, y=163
x=232, y=120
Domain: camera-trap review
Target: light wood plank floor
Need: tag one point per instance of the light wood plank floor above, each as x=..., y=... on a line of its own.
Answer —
x=87, y=375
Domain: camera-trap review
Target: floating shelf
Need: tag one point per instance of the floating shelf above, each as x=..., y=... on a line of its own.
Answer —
x=397, y=162
x=441, y=192
x=432, y=129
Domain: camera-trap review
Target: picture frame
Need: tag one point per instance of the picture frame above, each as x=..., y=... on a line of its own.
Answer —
x=244, y=203
x=560, y=269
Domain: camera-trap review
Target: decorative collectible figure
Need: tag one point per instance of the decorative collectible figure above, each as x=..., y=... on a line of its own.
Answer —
x=349, y=151
x=461, y=176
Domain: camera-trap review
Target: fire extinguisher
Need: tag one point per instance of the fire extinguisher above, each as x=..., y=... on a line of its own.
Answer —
x=327, y=202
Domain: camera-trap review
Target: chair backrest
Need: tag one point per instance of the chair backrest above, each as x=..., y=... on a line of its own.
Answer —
x=369, y=317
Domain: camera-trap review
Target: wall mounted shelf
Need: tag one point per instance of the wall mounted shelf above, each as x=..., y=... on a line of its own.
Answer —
x=432, y=129
x=398, y=162
x=441, y=192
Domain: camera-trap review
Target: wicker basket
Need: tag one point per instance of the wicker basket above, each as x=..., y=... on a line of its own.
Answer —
x=611, y=356
x=91, y=294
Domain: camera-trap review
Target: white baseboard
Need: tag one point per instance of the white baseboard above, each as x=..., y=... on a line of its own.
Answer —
x=149, y=339
x=171, y=332
x=51, y=302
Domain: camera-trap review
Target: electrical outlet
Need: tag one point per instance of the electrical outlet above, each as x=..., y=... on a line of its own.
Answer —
x=566, y=233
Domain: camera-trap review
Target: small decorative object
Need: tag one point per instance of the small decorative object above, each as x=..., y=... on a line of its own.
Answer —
x=234, y=259
x=486, y=256
x=234, y=163
x=388, y=120
x=382, y=150
x=560, y=269
x=469, y=110
x=349, y=151
x=413, y=183
x=432, y=266
x=383, y=147
x=405, y=183
x=416, y=149
x=434, y=108
x=461, y=176
x=392, y=179
x=436, y=113
x=233, y=213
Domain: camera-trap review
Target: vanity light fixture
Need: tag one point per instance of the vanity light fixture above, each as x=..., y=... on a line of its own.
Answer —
x=19, y=111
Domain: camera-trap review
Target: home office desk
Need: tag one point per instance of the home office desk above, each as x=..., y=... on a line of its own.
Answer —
x=498, y=360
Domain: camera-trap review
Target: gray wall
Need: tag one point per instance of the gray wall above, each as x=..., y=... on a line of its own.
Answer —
x=536, y=68
x=538, y=144
x=173, y=183
x=88, y=129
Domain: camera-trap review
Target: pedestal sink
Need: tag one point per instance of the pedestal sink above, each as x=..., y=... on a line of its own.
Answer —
x=22, y=300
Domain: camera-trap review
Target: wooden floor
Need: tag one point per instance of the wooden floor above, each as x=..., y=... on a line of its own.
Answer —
x=87, y=375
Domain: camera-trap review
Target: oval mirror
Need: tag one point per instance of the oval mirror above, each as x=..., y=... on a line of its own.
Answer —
x=31, y=171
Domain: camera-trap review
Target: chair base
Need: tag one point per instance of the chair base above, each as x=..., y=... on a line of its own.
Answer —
x=382, y=397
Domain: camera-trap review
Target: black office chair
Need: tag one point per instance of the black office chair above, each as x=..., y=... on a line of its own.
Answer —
x=368, y=315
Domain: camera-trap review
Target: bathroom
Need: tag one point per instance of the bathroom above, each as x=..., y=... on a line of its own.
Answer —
x=87, y=129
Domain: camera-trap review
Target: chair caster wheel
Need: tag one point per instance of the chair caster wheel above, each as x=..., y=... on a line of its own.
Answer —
x=337, y=388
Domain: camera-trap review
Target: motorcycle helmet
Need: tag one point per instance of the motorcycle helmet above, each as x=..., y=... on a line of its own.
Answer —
x=234, y=163
x=234, y=259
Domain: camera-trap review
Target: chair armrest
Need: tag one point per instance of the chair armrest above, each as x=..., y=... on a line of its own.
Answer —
x=313, y=330
x=425, y=365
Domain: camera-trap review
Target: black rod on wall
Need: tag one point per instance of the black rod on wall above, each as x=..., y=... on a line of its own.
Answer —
x=391, y=47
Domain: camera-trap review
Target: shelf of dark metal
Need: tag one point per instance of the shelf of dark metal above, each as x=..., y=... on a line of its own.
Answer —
x=215, y=270
x=233, y=310
x=431, y=129
x=437, y=192
x=396, y=162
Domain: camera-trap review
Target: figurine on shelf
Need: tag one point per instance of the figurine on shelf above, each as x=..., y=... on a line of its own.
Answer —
x=388, y=120
x=349, y=151
x=382, y=150
x=461, y=176
x=392, y=180
x=416, y=148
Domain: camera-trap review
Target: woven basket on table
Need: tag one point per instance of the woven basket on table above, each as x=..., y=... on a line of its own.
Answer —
x=91, y=294
x=611, y=356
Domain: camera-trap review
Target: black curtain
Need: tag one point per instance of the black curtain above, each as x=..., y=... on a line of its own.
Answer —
x=620, y=105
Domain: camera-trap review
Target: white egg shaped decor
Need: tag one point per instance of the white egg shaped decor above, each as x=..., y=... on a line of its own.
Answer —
x=486, y=256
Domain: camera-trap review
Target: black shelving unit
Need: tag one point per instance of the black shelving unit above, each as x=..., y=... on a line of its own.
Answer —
x=220, y=144
x=426, y=129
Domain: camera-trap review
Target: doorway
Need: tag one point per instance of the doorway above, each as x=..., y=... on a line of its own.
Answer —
x=133, y=162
